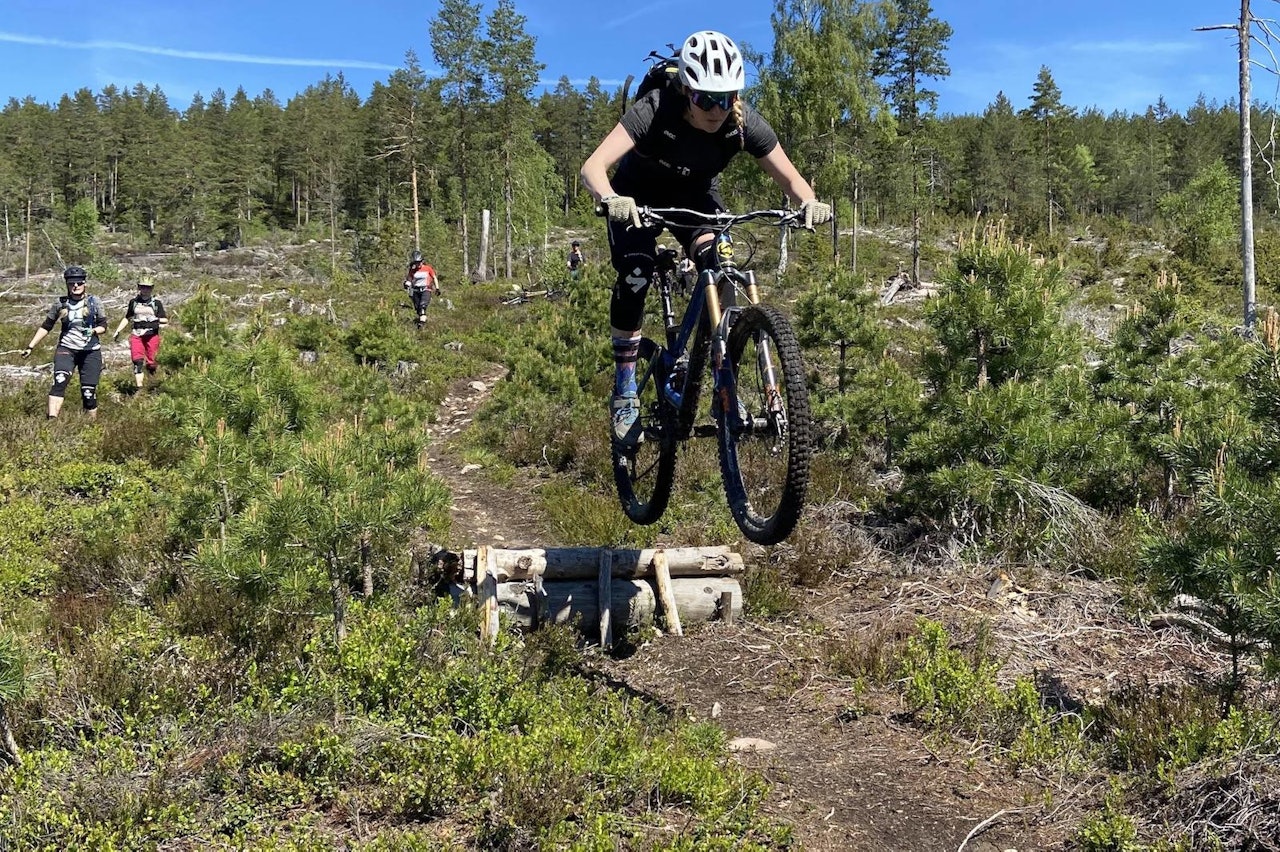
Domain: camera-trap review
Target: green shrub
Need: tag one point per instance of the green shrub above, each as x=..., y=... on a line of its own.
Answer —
x=999, y=316
x=1110, y=829
x=381, y=337
x=957, y=691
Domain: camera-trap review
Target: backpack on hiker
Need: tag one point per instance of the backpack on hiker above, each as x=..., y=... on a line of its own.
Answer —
x=663, y=71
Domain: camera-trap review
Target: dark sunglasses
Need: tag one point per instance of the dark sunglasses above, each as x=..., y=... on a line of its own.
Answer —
x=707, y=101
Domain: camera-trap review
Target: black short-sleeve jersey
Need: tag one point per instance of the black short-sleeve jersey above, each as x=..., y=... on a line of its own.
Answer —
x=672, y=160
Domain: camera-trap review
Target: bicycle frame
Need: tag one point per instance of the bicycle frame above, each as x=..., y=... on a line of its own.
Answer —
x=716, y=296
x=759, y=403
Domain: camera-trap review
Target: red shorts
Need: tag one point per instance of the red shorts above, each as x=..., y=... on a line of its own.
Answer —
x=144, y=348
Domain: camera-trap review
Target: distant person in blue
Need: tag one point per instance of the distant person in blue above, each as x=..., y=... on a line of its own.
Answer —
x=82, y=321
x=670, y=148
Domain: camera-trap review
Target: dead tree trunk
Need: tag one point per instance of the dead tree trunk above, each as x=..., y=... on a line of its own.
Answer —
x=338, y=596
x=482, y=265
x=1246, y=173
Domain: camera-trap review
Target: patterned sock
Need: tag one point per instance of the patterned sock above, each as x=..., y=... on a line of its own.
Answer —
x=626, y=351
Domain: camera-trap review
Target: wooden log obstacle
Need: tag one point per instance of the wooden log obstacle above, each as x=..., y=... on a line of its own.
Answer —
x=604, y=590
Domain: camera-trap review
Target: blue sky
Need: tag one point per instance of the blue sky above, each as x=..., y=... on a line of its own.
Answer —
x=1114, y=55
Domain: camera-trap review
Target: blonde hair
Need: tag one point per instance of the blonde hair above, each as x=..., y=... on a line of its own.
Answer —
x=740, y=119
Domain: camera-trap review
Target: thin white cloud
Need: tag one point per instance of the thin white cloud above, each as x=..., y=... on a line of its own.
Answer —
x=212, y=56
x=635, y=14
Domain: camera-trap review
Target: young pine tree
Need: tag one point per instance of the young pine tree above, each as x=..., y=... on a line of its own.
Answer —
x=1224, y=555
x=874, y=397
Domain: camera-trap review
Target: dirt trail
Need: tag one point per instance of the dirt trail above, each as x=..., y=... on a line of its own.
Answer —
x=845, y=774
x=483, y=512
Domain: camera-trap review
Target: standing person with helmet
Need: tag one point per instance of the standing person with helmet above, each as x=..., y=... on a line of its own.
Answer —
x=421, y=282
x=82, y=320
x=670, y=148
x=574, y=263
x=148, y=316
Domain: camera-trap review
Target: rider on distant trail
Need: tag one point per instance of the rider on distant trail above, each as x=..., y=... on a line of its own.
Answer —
x=421, y=282
x=673, y=143
x=574, y=263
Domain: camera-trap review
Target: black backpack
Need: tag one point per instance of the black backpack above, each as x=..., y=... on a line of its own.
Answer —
x=663, y=71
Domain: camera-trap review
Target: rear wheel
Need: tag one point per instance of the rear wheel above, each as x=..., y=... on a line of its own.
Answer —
x=644, y=473
x=766, y=446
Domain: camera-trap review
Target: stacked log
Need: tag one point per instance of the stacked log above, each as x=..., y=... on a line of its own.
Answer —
x=606, y=591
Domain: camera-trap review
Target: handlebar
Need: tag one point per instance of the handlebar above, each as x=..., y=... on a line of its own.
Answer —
x=683, y=217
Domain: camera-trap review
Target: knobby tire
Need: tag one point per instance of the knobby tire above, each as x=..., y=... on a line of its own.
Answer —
x=765, y=470
x=644, y=474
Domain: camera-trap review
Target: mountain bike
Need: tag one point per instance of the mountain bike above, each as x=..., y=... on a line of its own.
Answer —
x=524, y=297
x=759, y=402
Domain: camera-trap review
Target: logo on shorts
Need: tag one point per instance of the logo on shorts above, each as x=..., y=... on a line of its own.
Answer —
x=637, y=279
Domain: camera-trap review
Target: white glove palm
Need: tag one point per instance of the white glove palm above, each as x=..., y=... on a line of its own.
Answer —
x=815, y=212
x=621, y=208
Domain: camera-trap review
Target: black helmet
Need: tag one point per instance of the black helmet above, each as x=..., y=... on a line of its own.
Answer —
x=416, y=257
x=74, y=273
x=574, y=243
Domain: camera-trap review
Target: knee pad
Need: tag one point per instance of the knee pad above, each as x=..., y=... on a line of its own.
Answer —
x=704, y=256
x=89, y=396
x=138, y=364
x=626, y=308
x=60, y=379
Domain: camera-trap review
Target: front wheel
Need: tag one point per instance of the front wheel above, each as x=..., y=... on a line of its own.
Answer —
x=644, y=474
x=765, y=446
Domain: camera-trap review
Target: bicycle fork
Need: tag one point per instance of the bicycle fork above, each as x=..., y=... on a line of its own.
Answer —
x=726, y=407
x=725, y=392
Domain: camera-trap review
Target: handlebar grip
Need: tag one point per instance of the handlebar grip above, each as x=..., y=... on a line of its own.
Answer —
x=601, y=210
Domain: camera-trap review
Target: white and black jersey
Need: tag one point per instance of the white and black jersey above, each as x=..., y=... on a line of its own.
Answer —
x=77, y=323
x=145, y=315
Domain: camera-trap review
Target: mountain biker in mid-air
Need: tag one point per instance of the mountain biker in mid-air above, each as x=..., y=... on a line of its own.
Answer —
x=421, y=282
x=673, y=143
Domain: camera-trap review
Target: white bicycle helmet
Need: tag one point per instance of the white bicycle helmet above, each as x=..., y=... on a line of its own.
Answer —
x=711, y=62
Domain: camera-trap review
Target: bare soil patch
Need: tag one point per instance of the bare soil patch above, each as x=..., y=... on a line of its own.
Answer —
x=850, y=769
